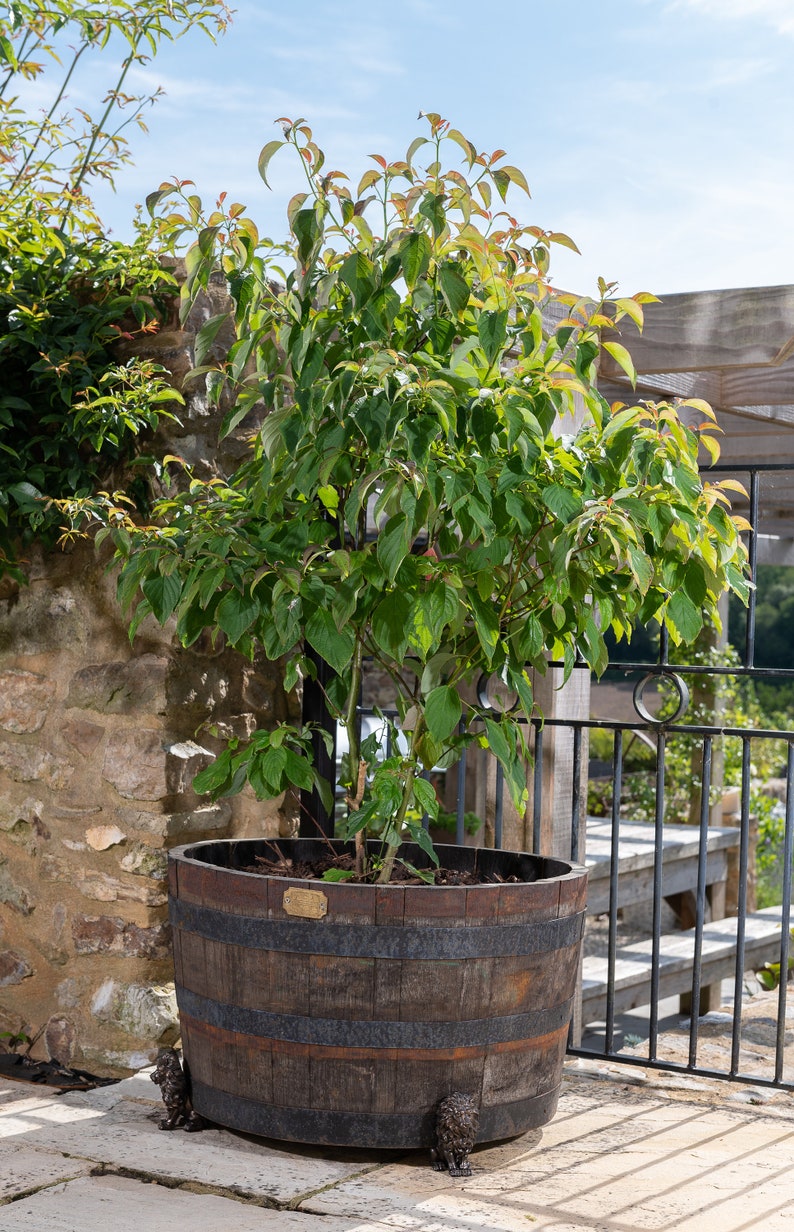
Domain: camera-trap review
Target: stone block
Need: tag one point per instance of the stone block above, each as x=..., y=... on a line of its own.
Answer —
x=99, y=838
x=42, y=619
x=208, y=819
x=25, y=700
x=185, y=760
x=54, y=869
x=67, y=994
x=83, y=735
x=146, y=862
x=106, y=934
x=26, y=763
x=24, y=826
x=14, y=896
x=105, y=889
x=135, y=764
x=145, y=1011
x=60, y=1039
x=120, y=687
x=13, y=968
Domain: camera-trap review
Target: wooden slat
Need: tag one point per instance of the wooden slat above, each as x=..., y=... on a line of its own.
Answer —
x=633, y=962
x=711, y=330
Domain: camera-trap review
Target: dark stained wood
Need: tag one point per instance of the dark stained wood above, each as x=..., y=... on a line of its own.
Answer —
x=269, y=1005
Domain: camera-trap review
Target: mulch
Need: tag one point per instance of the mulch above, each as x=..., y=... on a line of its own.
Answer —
x=18, y=1067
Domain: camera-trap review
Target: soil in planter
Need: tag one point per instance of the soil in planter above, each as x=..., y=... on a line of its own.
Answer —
x=280, y=866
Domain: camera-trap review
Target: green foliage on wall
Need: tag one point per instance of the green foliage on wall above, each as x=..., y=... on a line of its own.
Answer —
x=69, y=412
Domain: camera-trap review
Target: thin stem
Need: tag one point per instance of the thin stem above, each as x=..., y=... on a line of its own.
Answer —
x=397, y=824
x=98, y=129
x=47, y=118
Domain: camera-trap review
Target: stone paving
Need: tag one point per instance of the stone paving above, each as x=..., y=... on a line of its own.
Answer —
x=628, y=1151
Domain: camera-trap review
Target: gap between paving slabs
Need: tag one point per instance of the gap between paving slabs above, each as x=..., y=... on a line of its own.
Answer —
x=128, y=1117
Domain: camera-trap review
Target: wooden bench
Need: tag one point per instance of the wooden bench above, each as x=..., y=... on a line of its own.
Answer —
x=676, y=960
x=680, y=853
x=637, y=856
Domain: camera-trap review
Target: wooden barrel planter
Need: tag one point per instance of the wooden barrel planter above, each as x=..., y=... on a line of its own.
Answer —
x=342, y=1014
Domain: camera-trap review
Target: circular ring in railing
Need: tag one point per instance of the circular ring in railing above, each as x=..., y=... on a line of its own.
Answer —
x=678, y=684
x=494, y=694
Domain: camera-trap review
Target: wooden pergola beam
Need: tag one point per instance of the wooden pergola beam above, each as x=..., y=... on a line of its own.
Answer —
x=712, y=330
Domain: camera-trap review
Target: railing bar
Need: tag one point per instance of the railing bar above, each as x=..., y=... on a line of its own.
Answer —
x=460, y=802
x=537, y=791
x=700, y=902
x=694, y=669
x=752, y=552
x=744, y=850
x=759, y=733
x=576, y=793
x=731, y=468
x=677, y=1067
x=664, y=645
x=657, y=894
x=785, y=921
x=499, y=809
x=614, y=864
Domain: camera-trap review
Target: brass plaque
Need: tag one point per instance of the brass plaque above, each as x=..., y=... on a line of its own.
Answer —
x=310, y=904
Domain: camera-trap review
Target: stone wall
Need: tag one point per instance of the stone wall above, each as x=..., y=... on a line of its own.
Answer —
x=99, y=743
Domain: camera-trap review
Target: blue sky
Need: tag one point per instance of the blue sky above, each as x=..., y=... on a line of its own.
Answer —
x=658, y=133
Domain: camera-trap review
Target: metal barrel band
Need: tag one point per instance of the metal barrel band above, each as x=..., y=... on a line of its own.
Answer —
x=374, y=1034
x=321, y=1126
x=377, y=941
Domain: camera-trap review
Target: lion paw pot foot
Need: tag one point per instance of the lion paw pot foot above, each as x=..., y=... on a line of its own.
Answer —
x=345, y=1016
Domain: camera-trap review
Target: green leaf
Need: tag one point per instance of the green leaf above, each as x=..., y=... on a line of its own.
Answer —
x=394, y=544
x=683, y=616
x=415, y=145
x=332, y=644
x=207, y=335
x=307, y=232
x=442, y=334
x=235, y=614
x=622, y=359
x=562, y=502
x=501, y=741
x=265, y=155
x=432, y=208
x=454, y=288
x=492, y=331
x=389, y=624
x=357, y=273
x=515, y=176
x=486, y=625
x=415, y=257
x=425, y=795
x=163, y=594
x=442, y=712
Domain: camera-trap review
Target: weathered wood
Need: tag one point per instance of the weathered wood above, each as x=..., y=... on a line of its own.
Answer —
x=633, y=965
x=349, y=1028
x=712, y=329
x=637, y=857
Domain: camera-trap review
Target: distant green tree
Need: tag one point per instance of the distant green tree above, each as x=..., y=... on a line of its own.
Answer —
x=774, y=634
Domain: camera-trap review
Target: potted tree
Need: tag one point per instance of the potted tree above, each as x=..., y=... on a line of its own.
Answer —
x=436, y=486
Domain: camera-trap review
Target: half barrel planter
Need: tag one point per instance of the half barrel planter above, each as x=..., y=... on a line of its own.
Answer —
x=341, y=1014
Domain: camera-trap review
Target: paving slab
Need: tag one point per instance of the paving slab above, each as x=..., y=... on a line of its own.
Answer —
x=625, y=1153
x=24, y=1169
x=127, y=1136
x=94, y=1203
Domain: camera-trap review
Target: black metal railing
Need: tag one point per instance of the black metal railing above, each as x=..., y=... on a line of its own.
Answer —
x=716, y=923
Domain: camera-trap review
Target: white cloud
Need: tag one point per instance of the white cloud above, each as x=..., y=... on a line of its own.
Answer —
x=778, y=13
